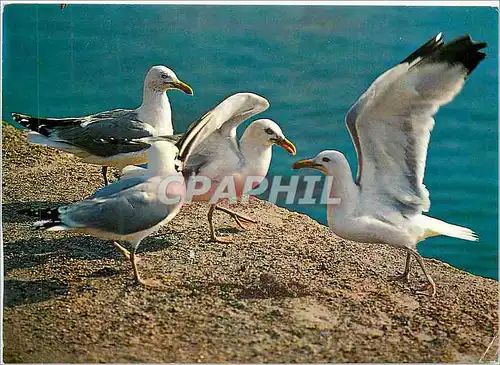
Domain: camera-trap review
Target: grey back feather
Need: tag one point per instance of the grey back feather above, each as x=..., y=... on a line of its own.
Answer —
x=130, y=210
x=98, y=135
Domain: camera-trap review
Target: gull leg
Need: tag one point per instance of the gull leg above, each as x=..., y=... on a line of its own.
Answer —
x=406, y=274
x=240, y=219
x=104, y=172
x=122, y=249
x=213, y=237
x=148, y=283
x=134, y=267
x=430, y=287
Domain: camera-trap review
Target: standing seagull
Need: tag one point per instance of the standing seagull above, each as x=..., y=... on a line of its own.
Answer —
x=128, y=210
x=220, y=155
x=390, y=126
x=86, y=136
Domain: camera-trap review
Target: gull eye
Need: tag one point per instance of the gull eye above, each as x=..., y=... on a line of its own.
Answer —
x=325, y=159
x=269, y=131
x=164, y=76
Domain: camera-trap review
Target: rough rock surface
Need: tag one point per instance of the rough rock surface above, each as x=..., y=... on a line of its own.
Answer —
x=287, y=290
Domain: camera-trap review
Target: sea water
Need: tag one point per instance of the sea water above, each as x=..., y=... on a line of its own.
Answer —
x=310, y=62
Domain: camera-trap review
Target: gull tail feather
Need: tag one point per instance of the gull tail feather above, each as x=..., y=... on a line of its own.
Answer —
x=435, y=227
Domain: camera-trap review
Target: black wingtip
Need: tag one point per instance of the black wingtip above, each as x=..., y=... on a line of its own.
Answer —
x=40, y=213
x=48, y=217
x=18, y=117
x=428, y=48
x=462, y=50
x=28, y=121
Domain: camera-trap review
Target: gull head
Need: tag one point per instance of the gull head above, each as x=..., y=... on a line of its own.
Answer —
x=329, y=162
x=268, y=133
x=162, y=157
x=161, y=78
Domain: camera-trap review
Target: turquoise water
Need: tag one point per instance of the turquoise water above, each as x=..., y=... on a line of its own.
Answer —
x=312, y=63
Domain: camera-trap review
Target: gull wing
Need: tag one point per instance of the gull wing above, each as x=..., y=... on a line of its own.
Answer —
x=126, y=207
x=93, y=134
x=390, y=124
x=221, y=122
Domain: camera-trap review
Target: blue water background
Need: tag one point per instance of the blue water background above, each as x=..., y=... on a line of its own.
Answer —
x=311, y=62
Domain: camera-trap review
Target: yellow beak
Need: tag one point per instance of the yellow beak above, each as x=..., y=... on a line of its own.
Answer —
x=183, y=86
x=308, y=164
x=287, y=145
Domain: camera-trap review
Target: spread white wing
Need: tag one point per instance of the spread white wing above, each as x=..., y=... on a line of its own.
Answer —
x=390, y=124
x=212, y=139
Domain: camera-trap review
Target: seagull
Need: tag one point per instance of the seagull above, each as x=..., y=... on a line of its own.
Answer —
x=221, y=155
x=390, y=126
x=90, y=137
x=129, y=209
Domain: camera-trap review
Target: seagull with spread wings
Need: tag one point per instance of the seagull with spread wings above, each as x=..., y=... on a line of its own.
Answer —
x=86, y=136
x=221, y=155
x=390, y=126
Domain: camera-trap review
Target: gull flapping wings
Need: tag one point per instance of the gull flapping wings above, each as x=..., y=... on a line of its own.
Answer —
x=213, y=136
x=390, y=124
x=219, y=155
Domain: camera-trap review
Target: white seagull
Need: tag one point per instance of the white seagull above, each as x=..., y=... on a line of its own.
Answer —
x=221, y=155
x=390, y=126
x=129, y=209
x=90, y=137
